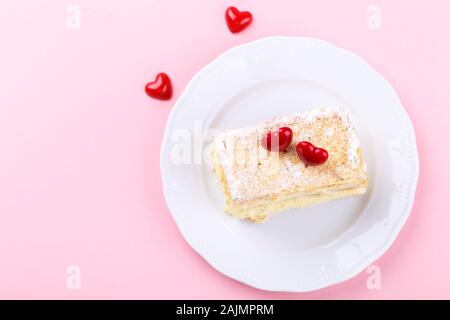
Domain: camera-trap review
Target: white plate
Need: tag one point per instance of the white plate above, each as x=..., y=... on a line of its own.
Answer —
x=302, y=249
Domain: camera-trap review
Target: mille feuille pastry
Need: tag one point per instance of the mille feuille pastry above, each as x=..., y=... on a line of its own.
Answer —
x=258, y=179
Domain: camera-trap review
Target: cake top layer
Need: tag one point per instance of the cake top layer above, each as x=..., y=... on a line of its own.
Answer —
x=252, y=172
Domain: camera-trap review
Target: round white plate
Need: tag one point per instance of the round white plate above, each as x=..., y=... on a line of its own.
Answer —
x=301, y=249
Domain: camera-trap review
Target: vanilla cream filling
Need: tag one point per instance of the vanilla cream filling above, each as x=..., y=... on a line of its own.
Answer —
x=257, y=183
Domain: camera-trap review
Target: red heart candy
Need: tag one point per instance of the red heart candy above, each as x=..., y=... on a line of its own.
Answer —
x=278, y=140
x=161, y=88
x=311, y=155
x=237, y=20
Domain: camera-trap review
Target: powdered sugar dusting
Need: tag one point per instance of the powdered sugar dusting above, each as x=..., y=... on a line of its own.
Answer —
x=252, y=172
x=329, y=132
x=353, y=157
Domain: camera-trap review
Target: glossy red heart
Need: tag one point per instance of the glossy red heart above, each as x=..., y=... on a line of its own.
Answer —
x=161, y=88
x=278, y=140
x=237, y=20
x=311, y=155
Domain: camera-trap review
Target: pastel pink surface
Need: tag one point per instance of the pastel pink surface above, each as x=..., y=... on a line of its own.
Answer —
x=80, y=140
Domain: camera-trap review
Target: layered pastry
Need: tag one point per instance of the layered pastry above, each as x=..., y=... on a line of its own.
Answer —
x=289, y=161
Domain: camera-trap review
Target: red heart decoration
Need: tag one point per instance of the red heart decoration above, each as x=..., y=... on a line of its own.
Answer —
x=237, y=20
x=278, y=140
x=311, y=155
x=161, y=88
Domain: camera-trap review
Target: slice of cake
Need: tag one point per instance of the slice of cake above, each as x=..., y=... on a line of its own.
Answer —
x=322, y=162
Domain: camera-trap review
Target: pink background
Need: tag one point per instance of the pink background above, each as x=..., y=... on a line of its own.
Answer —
x=79, y=140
